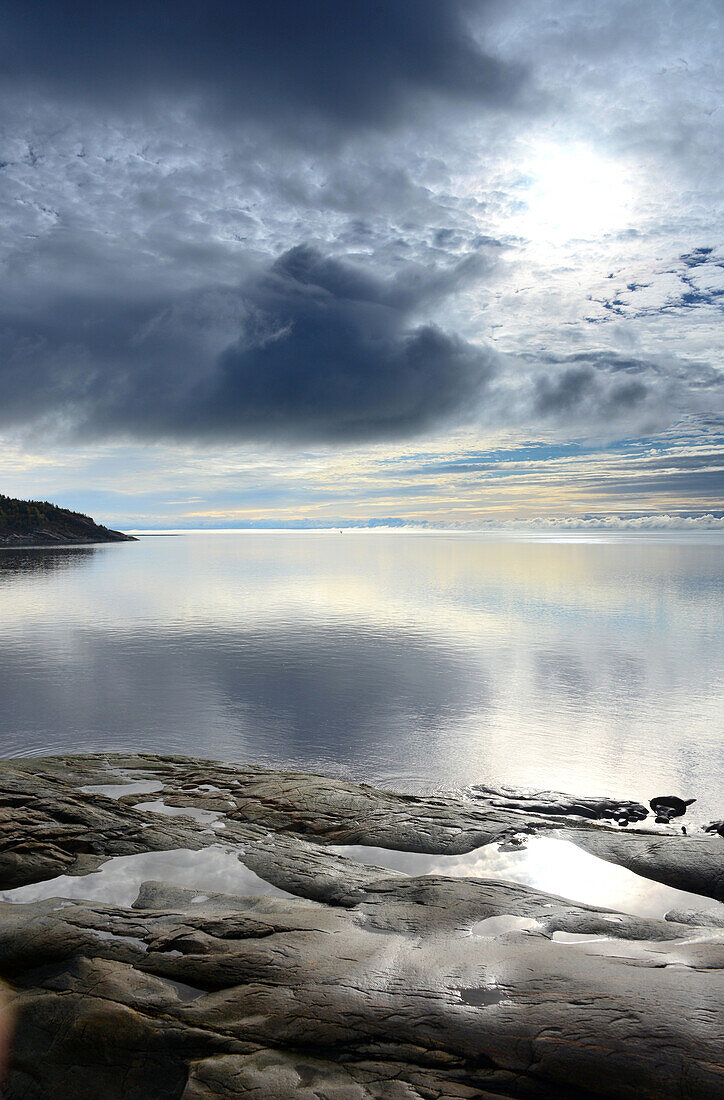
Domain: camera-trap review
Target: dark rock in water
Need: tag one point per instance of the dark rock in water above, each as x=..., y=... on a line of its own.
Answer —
x=667, y=806
x=715, y=827
x=367, y=984
x=556, y=803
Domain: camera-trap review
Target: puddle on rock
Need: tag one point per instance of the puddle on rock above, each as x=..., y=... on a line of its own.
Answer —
x=553, y=866
x=118, y=790
x=216, y=870
x=204, y=817
x=481, y=996
x=506, y=922
x=576, y=937
x=184, y=992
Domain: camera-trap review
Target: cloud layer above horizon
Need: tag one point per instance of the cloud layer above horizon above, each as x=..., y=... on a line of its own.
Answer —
x=385, y=247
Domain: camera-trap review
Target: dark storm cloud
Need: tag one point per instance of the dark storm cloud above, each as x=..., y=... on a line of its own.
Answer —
x=309, y=348
x=577, y=387
x=599, y=389
x=348, y=62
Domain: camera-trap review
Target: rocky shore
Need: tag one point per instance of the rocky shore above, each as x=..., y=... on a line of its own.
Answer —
x=325, y=975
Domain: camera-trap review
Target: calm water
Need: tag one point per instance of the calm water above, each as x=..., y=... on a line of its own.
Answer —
x=416, y=661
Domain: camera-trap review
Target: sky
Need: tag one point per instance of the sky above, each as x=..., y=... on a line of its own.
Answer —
x=449, y=263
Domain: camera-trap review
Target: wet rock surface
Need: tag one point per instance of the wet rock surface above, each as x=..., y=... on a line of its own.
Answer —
x=558, y=804
x=352, y=981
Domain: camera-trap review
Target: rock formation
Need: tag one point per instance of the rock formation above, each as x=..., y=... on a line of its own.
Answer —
x=347, y=981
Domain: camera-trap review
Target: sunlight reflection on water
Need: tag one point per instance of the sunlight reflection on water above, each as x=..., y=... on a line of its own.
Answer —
x=418, y=662
x=552, y=866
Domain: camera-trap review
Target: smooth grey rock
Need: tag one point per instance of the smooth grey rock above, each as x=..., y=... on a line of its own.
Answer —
x=366, y=983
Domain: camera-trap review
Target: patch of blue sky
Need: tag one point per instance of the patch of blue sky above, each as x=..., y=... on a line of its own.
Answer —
x=536, y=452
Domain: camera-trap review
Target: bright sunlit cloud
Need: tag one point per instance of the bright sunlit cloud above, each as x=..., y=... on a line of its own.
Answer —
x=574, y=192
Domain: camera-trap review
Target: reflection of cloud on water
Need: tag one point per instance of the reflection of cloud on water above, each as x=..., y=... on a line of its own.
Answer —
x=214, y=870
x=414, y=662
x=553, y=866
x=118, y=790
x=340, y=694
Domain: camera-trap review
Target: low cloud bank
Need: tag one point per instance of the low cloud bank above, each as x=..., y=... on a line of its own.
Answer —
x=570, y=524
x=664, y=522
